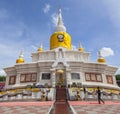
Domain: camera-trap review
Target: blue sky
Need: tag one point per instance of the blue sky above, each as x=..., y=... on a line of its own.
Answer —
x=24, y=24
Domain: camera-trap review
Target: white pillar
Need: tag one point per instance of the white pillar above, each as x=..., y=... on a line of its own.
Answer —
x=18, y=79
x=53, y=77
x=7, y=81
x=68, y=76
x=114, y=80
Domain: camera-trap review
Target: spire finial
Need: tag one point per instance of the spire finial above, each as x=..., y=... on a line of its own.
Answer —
x=60, y=11
x=100, y=58
x=81, y=49
x=60, y=25
x=41, y=46
x=40, y=49
x=21, y=54
x=80, y=45
x=99, y=54
x=21, y=57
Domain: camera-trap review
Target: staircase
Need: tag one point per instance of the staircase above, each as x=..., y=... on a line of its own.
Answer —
x=61, y=105
x=61, y=94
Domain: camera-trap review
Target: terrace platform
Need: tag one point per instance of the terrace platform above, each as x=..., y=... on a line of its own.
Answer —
x=79, y=107
x=92, y=107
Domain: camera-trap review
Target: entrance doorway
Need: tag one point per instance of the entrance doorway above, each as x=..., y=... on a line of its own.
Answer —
x=60, y=78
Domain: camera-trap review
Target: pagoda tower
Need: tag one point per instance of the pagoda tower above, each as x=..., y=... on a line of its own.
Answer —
x=60, y=38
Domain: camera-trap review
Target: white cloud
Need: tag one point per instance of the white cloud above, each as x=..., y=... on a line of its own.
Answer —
x=2, y=72
x=46, y=8
x=105, y=52
x=54, y=18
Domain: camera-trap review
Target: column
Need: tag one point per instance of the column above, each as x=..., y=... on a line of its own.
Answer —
x=114, y=80
x=53, y=77
x=18, y=79
x=7, y=81
x=68, y=76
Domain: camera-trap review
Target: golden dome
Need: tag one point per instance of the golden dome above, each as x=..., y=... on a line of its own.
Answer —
x=101, y=60
x=60, y=39
x=20, y=60
x=81, y=49
x=40, y=49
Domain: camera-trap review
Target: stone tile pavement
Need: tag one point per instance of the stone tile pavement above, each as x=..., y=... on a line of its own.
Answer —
x=79, y=107
x=25, y=107
x=94, y=108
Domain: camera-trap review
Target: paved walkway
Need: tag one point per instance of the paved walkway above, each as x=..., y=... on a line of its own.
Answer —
x=25, y=107
x=61, y=105
x=92, y=107
x=79, y=107
x=61, y=108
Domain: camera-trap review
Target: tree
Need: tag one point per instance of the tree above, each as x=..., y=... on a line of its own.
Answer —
x=2, y=78
x=117, y=77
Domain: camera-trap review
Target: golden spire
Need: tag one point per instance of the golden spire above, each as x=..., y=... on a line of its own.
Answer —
x=21, y=58
x=60, y=38
x=100, y=58
x=40, y=49
x=81, y=49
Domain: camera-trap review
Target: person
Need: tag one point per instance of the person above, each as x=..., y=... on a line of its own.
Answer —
x=43, y=97
x=99, y=96
x=78, y=98
x=84, y=89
